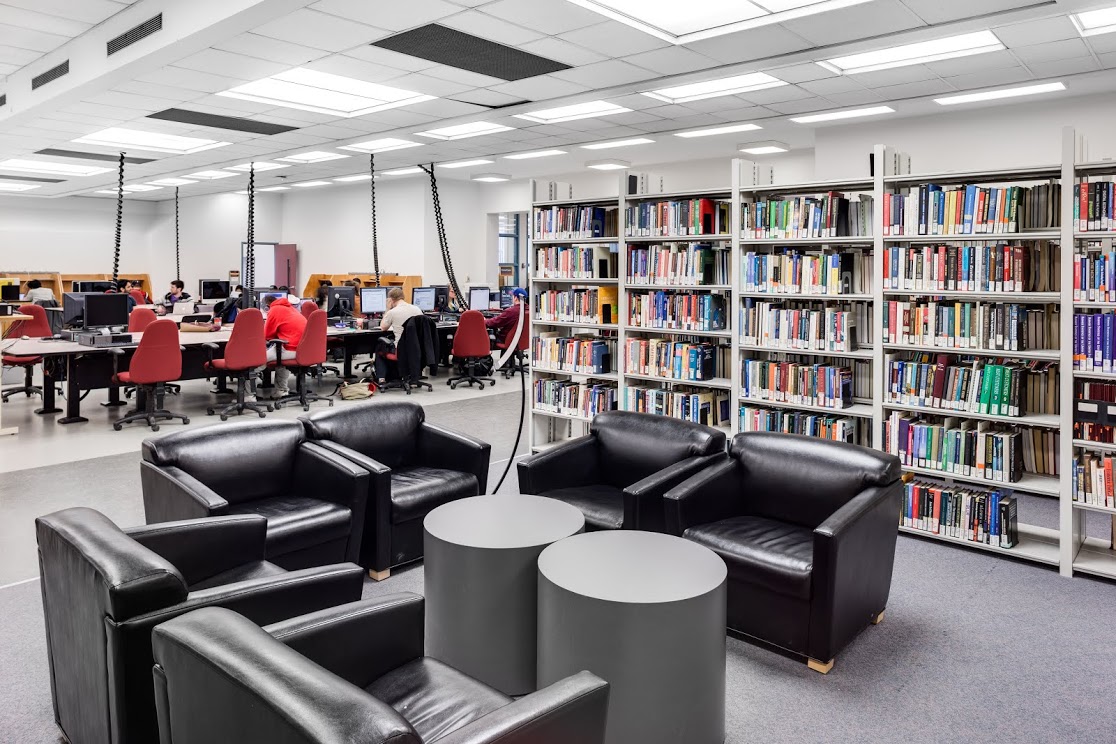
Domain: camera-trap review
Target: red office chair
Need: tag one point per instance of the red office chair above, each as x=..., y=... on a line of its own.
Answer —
x=140, y=318
x=244, y=353
x=37, y=327
x=470, y=350
x=157, y=361
x=306, y=308
x=310, y=353
x=138, y=296
x=518, y=361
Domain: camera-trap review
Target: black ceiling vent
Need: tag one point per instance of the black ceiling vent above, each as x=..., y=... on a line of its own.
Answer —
x=52, y=74
x=79, y=155
x=234, y=123
x=32, y=179
x=464, y=51
x=131, y=36
x=464, y=98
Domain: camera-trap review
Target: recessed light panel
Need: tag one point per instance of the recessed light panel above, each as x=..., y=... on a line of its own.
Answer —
x=315, y=156
x=276, y=188
x=17, y=186
x=153, y=141
x=570, y=113
x=211, y=175
x=171, y=182
x=491, y=177
x=350, y=179
x=380, y=145
x=45, y=166
x=766, y=147
x=1095, y=22
x=608, y=164
x=681, y=24
x=618, y=143
x=260, y=167
x=847, y=114
x=936, y=50
x=131, y=189
x=728, y=129
x=535, y=154
x=465, y=163
x=714, y=88
x=308, y=184
x=324, y=93
x=461, y=131
x=403, y=172
x=993, y=95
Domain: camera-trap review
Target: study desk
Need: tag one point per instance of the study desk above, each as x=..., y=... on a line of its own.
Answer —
x=5, y=321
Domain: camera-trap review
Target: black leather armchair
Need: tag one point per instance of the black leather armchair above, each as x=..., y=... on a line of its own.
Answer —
x=807, y=527
x=618, y=473
x=354, y=673
x=414, y=467
x=104, y=589
x=314, y=500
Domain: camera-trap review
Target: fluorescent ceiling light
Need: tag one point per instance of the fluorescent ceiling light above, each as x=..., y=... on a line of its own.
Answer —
x=380, y=145
x=403, y=171
x=211, y=175
x=1095, y=22
x=153, y=141
x=570, y=113
x=308, y=184
x=618, y=143
x=491, y=177
x=324, y=93
x=465, y=163
x=461, y=131
x=17, y=186
x=992, y=95
x=241, y=193
x=133, y=188
x=608, y=164
x=719, y=130
x=245, y=167
x=535, y=154
x=314, y=156
x=357, y=177
x=669, y=21
x=848, y=114
x=963, y=45
x=51, y=168
x=276, y=188
x=767, y=147
x=171, y=182
x=713, y=88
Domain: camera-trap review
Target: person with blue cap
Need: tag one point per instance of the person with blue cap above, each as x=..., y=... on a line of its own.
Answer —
x=505, y=322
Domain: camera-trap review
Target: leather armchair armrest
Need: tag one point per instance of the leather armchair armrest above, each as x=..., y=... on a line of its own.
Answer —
x=708, y=496
x=575, y=463
x=574, y=709
x=360, y=641
x=171, y=494
x=643, y=500
x=444, y=448
x=376, y=553
x=335, y=478
x=854, y=553
x=201, y=548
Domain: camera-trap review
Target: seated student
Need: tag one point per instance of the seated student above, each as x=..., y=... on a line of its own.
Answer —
x=503, y=323
x=36, y=292
x=177, y=292
x=115, y=289
x=130, y=286
x=285, y=322
x=323, y=293
x=398, y=311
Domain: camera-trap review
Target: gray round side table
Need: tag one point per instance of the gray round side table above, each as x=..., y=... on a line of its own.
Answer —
x=481, y=577
x=645, y=612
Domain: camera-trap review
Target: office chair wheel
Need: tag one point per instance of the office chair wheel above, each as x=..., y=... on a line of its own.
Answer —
x=306, y=408
x=117, y=427
x=185, y=420
x=492, y=383
x=261, y=414
x=154, y=427
x=270, y=408
x=224, y=417
x=209, y=412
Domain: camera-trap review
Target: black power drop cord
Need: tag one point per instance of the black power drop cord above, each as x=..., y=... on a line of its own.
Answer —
x=462, y=301
x=375, y=242
x=119, y=220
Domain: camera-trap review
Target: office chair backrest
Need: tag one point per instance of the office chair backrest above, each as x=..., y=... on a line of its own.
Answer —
x=471, y=337
x=241, y=461
x=635, y=445
x=37, y=327
x=386, y=432
x=312, y=348
x=307, y=307
x=138, y=296
x=140, y=318
x=158, y=357
x=803, y=480
x=246, y=348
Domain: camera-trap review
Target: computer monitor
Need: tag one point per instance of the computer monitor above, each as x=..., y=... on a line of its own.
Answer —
x=106, y=310
x=213, y=289
x=423, y=298
x=265, y=298
x=88, y=287
x=373, y=300
x=478, y=298
x=340, y=301
x=505, y=298
x=441, y=296
x=9, y=292
x=73, y=308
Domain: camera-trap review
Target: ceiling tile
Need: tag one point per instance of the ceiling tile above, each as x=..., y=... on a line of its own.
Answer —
x=332, y=131
x=1054, y=50
x=1064, y=67
x=347, y=66
x=853, y=97
x=394, y=16
x=634, y=117
x=89, y=11
x=235, y=65
x=1108, y=59
x=49, y=23
x=11, y=55
x=431, y=86
x=539, y=88
x=989, y=79
x=895, y=76
x=801, y=106
x=142, y=88
x=862, y=21
x=1036, y=32
x=555, y=18
x=757, y=43
x=604, y=74
x=672, y=60
x=147, y=104
x=1102, y=44
x=801, y=73
x=273, y=50
x=388, y=58
x=913, y=90
x=202, y=82
x=484, y=97
x=941, y=11
x=618, y=39
x=26, y=38
x=320, y=31
x=974, y=63
x=465, y=77
x=445, y=108
x=493, y=29
x=832, y=85
x=562, y=51
x=773, y=95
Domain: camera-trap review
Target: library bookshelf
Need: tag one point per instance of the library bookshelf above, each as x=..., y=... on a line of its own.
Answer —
x=1050, y=231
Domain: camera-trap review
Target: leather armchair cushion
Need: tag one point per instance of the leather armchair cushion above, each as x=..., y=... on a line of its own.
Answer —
x=386, y=432
x=636, y=445
x=415, y=491
x=602, y=505
x=775, y=555
x=436, y=699
x=243, y=572
x=296, y=522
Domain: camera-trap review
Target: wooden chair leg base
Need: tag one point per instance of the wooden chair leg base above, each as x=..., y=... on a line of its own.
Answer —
x=877, y=619
x=378, y=575
x=819, y=666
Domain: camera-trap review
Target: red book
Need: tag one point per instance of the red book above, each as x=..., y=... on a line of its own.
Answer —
x=705, y=216
x=1083, y=207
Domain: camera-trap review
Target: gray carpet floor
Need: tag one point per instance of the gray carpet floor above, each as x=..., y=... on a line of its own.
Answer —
x=973, y=647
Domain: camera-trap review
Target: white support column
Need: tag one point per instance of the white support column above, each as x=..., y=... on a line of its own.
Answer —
x=734, y=299
x=878, y=247
x=1071, y=527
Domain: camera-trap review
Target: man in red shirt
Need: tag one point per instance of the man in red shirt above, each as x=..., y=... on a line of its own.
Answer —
x=505, y=322
x=286, y=323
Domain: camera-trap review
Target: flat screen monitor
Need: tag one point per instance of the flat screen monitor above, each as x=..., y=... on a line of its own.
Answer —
x=441, y=296
x=213, y=289
x=373, y=300
x=73, y=308
x=505, y=298
x=106, y=310
x=93, y=287
x=478, y=298
x=340, y=301
x=423, y=298
x=265, y=298
x=9, y=292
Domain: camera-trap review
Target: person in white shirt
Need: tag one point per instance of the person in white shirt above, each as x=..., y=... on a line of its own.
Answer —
x=36, y=292
x=398, y=312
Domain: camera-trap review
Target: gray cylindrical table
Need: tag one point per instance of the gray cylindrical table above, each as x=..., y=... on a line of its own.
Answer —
x=645, y=612
x=481, y=577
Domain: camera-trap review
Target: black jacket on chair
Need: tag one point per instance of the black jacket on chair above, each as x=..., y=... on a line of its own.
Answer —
x=415, y=466
x=807, y=527
x=354, y=673
x=617, y=475
x=104, y=589
x=418, y=347
x=314, y=501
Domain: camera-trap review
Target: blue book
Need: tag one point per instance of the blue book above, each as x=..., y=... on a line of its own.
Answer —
x=1106, y=359
x=970, y=198
x=1098, y=341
